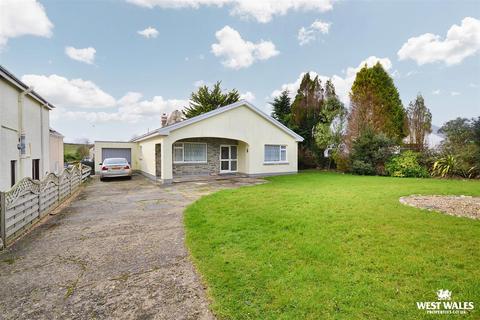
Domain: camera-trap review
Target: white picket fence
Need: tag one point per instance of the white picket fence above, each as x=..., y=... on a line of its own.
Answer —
x=30, y=200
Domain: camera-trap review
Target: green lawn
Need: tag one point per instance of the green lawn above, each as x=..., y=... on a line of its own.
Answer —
x=331, y=246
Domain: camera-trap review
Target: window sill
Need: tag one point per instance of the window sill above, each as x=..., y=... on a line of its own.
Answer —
x=275, y=163
x=193, y=162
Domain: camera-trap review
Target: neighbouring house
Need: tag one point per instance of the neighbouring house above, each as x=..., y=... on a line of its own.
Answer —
x=238, y=138
x=24, y=131
x=56, y=151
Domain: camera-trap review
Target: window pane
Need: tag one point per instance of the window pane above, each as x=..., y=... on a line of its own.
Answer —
x=233, y=165
x=233, y=151
x=272, y=153
x=195, y=152
x=283, y=155
x=178, y=154
x=224, y=165
x=224, y=153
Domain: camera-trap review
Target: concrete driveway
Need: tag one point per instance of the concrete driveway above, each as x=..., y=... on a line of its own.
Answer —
x=117, y=251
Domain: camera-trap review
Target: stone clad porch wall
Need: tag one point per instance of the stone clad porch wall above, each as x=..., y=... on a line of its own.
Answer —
x=212, y=167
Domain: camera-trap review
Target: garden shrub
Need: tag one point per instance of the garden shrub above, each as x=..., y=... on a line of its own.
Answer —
x=406, y=165
x=370, y=152
x=363, y=168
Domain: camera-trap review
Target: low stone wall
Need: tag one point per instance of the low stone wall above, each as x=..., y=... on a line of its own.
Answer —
x=212, y=167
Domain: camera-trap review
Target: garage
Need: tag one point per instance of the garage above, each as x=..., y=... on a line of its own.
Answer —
x=115, y=149
x=117, y=153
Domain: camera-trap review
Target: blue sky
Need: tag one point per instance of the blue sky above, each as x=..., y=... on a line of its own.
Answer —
x=114, y=82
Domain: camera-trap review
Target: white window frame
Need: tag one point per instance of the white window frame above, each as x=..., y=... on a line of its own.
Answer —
x=181, y=145
x=280, y=161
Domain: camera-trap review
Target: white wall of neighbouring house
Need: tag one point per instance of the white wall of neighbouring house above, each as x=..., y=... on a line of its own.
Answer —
x=36, y=129
x=56, y=153
x=99, y=145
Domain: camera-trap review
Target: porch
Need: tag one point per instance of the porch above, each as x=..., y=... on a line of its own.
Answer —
x=196, y=159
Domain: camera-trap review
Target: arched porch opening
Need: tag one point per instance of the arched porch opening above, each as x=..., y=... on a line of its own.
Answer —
x=203, y=157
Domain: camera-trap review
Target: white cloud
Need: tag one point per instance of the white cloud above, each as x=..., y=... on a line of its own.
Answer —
x=69, y=93
x=149, y=32
x=19, y=18
x=342, y=84
x=262, y=11
x=86, y=55
x=454, y=93
x=238, y=53
x=461, y=42
x=199, y=83
x=131, y=109
x=436, y=92
x=250, y=97
x=473, y=85
x=308, y=34
x=411, y=73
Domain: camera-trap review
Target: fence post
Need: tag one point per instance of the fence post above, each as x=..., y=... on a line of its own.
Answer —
x=40, y=202
x=3, y=222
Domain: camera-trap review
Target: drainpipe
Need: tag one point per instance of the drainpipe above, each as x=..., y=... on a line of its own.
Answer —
x=42, y=143
x=21, y=132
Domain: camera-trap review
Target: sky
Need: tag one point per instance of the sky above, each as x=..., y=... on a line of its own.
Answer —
x=112, y=67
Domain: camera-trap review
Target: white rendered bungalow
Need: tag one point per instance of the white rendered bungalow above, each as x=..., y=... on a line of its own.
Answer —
x=238, y=138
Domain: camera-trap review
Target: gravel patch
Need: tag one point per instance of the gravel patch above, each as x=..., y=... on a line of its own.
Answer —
x=461, y=206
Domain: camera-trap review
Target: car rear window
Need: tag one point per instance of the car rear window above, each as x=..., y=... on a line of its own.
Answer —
x=115, y=161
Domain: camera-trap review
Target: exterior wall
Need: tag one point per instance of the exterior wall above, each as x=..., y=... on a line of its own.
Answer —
x=56, y=153
x=242, y=124
x=117, y=144
x=212, y=167
x=146, y=156
x=35, y=127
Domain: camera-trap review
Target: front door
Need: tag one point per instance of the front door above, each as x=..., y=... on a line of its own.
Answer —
x=228, y=159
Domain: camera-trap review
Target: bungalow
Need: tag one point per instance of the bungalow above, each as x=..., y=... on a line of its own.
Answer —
x=238, y=138
x=24, y=131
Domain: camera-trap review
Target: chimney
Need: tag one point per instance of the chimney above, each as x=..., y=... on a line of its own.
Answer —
x=164, y=119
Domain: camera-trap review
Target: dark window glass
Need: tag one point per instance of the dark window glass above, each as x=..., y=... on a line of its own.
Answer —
x=224, y=165
x=36, y=169
x=13, y=172
x=225, y=153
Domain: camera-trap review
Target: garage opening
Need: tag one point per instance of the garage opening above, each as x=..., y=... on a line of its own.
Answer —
x=117, y=153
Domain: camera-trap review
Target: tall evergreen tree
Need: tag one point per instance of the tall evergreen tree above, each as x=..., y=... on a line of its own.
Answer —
x=205, y=100
x=282, y=108
x=307, y=106
x=419, y=122
x=376, y=105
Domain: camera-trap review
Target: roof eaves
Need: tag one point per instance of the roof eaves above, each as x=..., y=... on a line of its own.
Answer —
x=10, y=77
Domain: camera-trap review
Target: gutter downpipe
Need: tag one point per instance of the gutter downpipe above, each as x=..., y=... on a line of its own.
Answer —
x=42, y=144
x=21, y=131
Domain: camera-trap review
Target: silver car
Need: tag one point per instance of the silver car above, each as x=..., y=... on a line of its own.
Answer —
x=115, y=167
